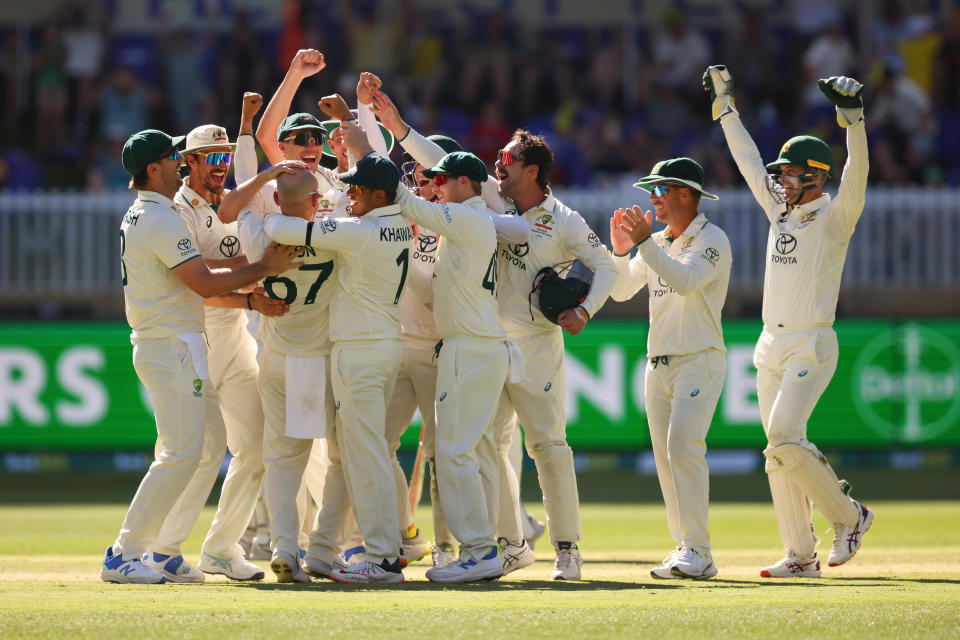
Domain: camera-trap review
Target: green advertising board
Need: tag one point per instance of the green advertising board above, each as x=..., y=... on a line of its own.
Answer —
x=72, y=387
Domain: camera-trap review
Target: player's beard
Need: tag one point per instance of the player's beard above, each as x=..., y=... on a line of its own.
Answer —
x=215, y=185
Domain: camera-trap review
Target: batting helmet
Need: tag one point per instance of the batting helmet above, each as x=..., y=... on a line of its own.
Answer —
x=556, y=294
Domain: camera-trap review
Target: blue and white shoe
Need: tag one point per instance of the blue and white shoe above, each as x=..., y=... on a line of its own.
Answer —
x=467, y=569
x=353, y=555
x=173, y=568
x=116, y=569
x=367, y=572
x=237, y=568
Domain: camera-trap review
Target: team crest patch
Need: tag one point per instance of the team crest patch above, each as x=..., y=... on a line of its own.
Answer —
x=544, y=221
x=809, y=216
x=685, y=242
x=197, y=387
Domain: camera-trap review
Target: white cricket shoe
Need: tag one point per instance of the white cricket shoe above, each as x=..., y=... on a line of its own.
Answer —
x=234, y=568
x=568, y=562
x=690, y=563
x=321, y=568
x=353, y=555
x=532, y=528
x=793, y=567
x=367, y=572
x=287, y=569
x=414, y=548
x=443, y=555
x=173, y=568
x=663, y=571
x=260, y=548
x=515, y=555
x=846, y=540
x=115, y=569
x=488, y=567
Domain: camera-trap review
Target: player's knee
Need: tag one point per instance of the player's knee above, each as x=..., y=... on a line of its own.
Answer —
x=784, y=457
x=548, y=446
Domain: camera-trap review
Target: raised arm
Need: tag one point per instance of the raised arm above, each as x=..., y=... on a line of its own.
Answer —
x=846, y=94
x=631, y=274
x=243, y=197
x=582, y=242
x=456, y=222
x=305, y=63
x=348, y=235
x=206, y=283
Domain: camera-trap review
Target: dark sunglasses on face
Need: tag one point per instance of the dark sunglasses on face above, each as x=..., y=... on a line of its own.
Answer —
x=173, y=154
x=305, y=138
x=355, y=189
x=660, y=190
x=440, y=179
x=217, y=157
x=506, y=158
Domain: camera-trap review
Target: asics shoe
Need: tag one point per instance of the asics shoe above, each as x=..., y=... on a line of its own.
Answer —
x=234, y=568
x=793, y=567
x=567, y=564
x=515, y=555
x=846, y=540
x=663, y=571
x=690, y=563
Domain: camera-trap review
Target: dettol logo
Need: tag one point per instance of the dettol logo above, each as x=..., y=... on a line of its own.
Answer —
x=906, y=383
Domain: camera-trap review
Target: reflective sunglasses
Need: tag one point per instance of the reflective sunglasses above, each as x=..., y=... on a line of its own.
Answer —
x=660, y=190
x=506, y=158
x=216, y=157
x=440, y=179
x=355, y=190
x=173, y=154
x=304, y=138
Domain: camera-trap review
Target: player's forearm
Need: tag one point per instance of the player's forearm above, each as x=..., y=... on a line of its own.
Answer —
x=223, y=281
x=368, y=121
x=426, y=152
x=512, y=229
x=227, y=263
x=683, y=277
x=605, y=277
x=288, y=230
x=746, y=155
x=276, y=110
x=235, y=201
x=245, y=164
x=227, y=301
x=631, y=277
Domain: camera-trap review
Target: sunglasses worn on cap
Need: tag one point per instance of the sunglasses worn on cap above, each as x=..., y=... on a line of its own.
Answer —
x=216, y=157
x=506, y=158
x=304, y=138
x=660, y=190
x=440, y=179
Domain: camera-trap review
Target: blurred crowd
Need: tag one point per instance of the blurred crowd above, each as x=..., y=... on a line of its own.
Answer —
x=610, y=100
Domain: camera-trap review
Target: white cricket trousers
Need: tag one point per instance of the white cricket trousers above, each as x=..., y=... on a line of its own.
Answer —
x=415, y=388
x=165, y=367
x=284, y=458
x=363, y=376
x=234, y=420
x=681, y=398
x=538, y=403
x=470, y=376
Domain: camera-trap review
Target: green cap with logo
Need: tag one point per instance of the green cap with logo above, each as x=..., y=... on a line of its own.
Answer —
x=296, y=121
x=683, y=172
x=375, y=172
x=145, y=147
x=459, y=163
x=804, y=151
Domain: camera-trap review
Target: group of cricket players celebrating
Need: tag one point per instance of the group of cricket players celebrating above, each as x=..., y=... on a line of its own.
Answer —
x=374, y=293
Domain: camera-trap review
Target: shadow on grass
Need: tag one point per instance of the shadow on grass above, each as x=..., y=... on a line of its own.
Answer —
x=469, y=587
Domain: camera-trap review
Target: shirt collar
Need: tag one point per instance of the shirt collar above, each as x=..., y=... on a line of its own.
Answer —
x=155, y=198
x=191, y=197
x=475, y=202
x=813, y=205
x=549, y=203
x=692, y=229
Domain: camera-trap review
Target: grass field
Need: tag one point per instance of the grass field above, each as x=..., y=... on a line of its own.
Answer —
x=905, y=582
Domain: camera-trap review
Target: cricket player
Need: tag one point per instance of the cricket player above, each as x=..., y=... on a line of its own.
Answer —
x=558, y=235
x=163, y=284
x=687, y=269
x=374, y=249
x=234, y=415
x=797, y=353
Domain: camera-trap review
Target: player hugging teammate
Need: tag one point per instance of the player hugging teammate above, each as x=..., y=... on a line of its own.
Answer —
x=377, y=299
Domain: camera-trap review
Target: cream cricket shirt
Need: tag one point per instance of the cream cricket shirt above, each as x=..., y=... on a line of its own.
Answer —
x=375, y=253
x=153, y=240
x=465, y=283
x=807, y=245
x=559, y=234
x=304, y=331
x=688, y=280
x=416, y=304
x=216, y=241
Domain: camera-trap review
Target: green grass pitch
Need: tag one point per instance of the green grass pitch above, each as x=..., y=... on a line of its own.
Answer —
x=904, y=583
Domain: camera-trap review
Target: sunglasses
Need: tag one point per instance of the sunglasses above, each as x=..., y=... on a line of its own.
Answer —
x=216, y=158
x=440, y=179
x=355, y=190
x=506, y=158
x=660, y=190
x=173, y=154
x=305, y=138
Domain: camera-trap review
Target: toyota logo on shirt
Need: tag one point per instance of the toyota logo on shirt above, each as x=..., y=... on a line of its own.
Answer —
x=786, y=243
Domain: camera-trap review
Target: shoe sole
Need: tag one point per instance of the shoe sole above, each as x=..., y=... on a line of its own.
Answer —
x=284, y=572
x=172, y=577
x=342, y=581
x=680, y=574
x=766, y=574
x=404, y=561
x=869, y=524
x=473, y=579
x=115, y=580
x=254, y=578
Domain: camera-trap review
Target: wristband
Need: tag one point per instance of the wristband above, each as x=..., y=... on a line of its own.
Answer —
x=249, y=295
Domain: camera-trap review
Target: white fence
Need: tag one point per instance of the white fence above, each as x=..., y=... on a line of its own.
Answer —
x=68, y=243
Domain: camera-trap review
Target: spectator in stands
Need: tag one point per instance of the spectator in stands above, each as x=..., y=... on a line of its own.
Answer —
x=124, y=106
x=903, y=113
x=184, y=61
x=84, y=44
x=948, y=64
x=50, y=87
x=679, y=53
x=830, y=54
x=919, y=48
x=248, y=66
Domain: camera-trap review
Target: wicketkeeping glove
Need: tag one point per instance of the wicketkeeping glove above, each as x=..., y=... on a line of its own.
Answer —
x=718, y=82
x=845, y=93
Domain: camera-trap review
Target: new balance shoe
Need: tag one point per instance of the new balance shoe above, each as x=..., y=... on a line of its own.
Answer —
x=468, y=569
x=443, y=554
x=846, y=540
x=234, y=568
x=793, y=567
x=414, y=548
x=367, y=572
x=663, y=571
x=532, y=528
x=173, y=568
x=690, y=563
x=287, y=569
x=515, y=555
x=567, y=564
x=115, y=569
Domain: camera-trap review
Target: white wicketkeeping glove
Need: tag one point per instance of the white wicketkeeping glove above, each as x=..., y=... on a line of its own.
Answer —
x=718, y=82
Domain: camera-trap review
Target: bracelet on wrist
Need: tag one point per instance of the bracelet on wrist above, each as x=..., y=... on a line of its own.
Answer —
x=249, y=296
